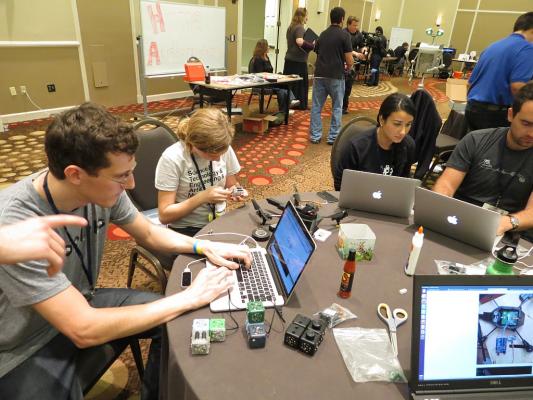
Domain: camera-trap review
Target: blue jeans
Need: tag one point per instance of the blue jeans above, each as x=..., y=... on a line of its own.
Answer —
x=321, y=88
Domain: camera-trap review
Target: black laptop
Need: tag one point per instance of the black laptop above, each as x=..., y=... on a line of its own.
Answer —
x=472, y=337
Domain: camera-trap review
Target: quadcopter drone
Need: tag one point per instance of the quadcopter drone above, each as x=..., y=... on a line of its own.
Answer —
x=505, y=317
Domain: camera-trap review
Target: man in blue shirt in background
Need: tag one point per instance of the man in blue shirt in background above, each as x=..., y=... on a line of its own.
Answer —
x=503, y=68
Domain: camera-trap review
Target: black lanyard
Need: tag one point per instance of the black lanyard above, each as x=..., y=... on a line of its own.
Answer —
x=211, y=205
x=502, y=189
x=87, y=268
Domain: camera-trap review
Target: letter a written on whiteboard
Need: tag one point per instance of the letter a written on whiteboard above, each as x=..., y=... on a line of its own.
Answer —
x=153, y=52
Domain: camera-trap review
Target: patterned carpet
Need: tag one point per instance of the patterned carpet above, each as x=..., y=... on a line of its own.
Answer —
x=272, y=163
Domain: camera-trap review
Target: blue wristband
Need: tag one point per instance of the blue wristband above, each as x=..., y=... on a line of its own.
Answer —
x=196, y=248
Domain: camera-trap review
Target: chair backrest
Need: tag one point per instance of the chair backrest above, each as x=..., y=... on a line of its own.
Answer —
x=152, y=143
x=251, y=66
x=353, y=128
x=424, y=131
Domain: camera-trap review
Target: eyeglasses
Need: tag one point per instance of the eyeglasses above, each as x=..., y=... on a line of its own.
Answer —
x=122, y=179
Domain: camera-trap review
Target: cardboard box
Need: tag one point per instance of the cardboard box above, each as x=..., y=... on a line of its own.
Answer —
x=456, y=89
x=257, y=123
x=359, y=237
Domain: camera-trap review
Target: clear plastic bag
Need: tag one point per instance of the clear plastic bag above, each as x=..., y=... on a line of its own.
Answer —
x=453, y=268
x=368, y=355
x=334, y=315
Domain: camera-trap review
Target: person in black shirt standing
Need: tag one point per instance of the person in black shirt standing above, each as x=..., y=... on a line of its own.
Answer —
x=334, y=50
x=379, y=50
x=356, y=38
x=386, y=149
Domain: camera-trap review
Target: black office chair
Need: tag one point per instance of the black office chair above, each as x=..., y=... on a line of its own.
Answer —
x=152, y=143
x=93, y=362
x=424, y=130
x=353, y=128
x=257, y=91
x=453, y=130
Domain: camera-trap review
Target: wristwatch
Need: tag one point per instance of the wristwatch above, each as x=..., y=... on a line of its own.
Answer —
x=514, y=222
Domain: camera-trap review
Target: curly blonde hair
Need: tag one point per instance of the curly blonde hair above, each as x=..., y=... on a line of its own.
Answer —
x=208, y=129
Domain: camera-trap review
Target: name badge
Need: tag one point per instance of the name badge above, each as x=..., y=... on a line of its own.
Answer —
x=490, y=207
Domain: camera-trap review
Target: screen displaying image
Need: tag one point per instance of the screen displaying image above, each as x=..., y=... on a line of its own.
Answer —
x=473, y=332
x=290, y=249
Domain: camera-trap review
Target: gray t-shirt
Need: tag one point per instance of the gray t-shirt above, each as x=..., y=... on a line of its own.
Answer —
x=492, y=169
x=176, y=172
x=295, y=52
x=23, y=331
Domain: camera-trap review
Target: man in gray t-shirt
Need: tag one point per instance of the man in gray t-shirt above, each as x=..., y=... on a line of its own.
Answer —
x=495, y=167
x=48, y=320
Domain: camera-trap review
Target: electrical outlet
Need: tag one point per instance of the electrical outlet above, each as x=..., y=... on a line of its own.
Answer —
x=13, y=90
x=51, y=87
x=22, y=89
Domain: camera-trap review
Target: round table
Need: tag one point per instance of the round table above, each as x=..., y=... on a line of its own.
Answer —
x=232, y=370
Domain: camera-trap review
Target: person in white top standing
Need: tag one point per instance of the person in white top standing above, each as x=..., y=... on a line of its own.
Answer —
x=197, y=175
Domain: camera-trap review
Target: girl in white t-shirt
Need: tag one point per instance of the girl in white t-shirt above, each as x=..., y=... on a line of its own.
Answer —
x=196, y=175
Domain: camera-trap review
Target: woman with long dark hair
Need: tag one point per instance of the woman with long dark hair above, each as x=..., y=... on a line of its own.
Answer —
x=296, y=56
x=386, y=149
x=261, y=63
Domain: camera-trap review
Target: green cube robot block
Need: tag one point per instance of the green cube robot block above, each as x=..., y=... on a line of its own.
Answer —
x=217, y=329
x=255, y=312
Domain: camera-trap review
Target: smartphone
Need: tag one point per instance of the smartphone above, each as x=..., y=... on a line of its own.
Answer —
x=327, y=196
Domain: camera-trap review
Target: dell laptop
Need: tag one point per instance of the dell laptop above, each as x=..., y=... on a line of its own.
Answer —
x=376, y=193
x=275, y=270
x=457, y=219
x=472, y=337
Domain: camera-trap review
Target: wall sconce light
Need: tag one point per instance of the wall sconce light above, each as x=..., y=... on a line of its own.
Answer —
x=301, y=3
x=378, y=15
x=438, y=22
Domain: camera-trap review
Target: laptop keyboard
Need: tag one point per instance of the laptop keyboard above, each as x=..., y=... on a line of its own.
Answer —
x=254, y=283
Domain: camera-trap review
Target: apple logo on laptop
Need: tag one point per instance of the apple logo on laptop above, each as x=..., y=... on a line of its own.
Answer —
x=377, y=195
x=452, y=219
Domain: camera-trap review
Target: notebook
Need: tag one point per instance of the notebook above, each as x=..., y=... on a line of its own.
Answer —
x=382, y=194
x=275, y=270
x=460, y=220
x=472, y=337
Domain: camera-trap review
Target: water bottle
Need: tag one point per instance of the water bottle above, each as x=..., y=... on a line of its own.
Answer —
x=505, y=259
x=207, y=75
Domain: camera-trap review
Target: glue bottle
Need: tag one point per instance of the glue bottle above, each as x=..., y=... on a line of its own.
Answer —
x=345, y=290
x=416, y=246
x=207, y=75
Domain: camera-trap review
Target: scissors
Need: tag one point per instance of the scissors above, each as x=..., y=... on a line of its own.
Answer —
x=393, y=319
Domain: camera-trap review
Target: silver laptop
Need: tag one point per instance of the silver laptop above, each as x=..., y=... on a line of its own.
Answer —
x=471, y=337
x=275, y=270
x=382, y=194
x=457, y=219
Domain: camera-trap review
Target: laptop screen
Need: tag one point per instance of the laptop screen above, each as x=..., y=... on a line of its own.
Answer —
x=290, y=246
x=472, y=332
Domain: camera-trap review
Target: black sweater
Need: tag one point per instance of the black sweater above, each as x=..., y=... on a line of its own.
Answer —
x=362, y=153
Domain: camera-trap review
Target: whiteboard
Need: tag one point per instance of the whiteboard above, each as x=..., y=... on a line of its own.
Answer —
x=173, y=32
x=400, y=35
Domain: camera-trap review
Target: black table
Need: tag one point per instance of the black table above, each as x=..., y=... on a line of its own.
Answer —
x=232, y=370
